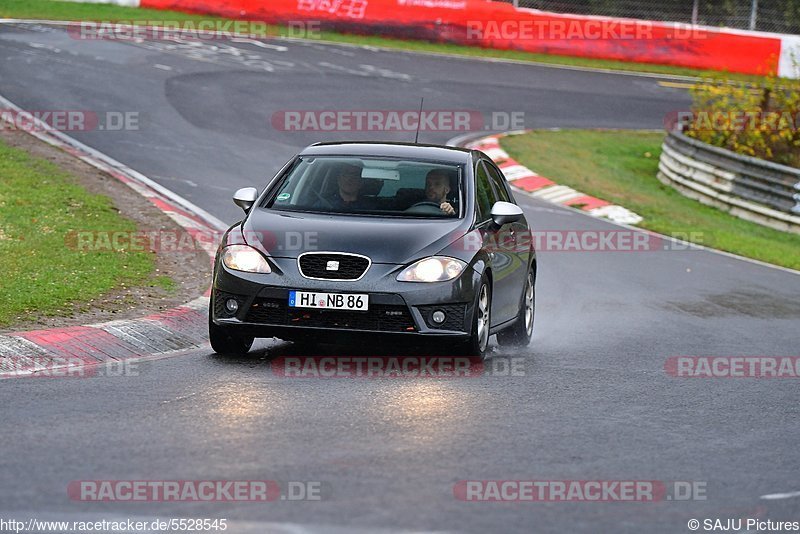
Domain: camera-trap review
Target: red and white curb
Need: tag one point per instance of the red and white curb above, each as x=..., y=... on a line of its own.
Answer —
x=178, y=329
x=525, y=180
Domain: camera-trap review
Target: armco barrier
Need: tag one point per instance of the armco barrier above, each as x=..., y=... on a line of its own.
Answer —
x=750, y=188
x=500, y=25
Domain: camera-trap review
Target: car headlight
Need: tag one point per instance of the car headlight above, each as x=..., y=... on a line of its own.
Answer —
x=433, y=269
x=245, y=258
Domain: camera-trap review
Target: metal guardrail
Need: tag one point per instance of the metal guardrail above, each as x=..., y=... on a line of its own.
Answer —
x=760, y=191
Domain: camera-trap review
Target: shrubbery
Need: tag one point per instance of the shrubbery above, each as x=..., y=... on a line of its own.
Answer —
x=756, y=119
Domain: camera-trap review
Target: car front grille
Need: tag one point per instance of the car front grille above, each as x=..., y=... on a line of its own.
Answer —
x=267, y=311
x=320, y=265
x=379, y=318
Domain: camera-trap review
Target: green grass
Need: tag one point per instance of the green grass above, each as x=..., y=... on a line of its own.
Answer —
x=166, y=283
x=55, y=10
x=43, y=270
x=621, y=167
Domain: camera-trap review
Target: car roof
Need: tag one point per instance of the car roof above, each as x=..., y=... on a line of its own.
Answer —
x=409, y=151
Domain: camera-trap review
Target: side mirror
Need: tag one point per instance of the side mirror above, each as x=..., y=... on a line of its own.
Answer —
x=505, y=212
x=245, y=198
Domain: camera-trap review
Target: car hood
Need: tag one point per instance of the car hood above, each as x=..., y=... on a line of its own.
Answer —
x=384, y=240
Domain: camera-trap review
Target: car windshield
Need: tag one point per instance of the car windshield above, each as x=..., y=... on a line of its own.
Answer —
x=370, y=186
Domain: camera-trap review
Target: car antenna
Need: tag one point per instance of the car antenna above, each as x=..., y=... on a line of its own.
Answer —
x=419, y=119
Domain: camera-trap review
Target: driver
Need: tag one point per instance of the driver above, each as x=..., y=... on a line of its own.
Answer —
x=348, y=194
x=437, y=186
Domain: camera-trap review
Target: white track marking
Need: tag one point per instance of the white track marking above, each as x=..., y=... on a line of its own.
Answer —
x=619, y=214
x=560, y=199
x=778, y=496
x=515, y=172
x=45, y=47
x=496, y=154
x=261, y=44
x=551, y=192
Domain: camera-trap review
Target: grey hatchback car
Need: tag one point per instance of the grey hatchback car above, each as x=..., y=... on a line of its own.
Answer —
x=377, y=239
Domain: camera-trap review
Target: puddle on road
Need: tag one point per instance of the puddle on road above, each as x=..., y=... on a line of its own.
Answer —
x=748, y=303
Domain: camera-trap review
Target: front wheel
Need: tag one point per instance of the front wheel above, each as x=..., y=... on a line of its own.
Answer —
x=225, y=341
x=481, y=322
x=519, y=334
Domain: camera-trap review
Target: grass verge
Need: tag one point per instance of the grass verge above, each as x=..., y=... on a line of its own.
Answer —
x=42, y=275
x=621, y=167
x=55, y=10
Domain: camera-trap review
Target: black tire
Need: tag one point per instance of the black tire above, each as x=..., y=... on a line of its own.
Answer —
x=225, y=341
x=481, y=323
x=519, y=334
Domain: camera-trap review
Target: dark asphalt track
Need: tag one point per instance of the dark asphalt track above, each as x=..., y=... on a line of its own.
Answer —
x=594, y=402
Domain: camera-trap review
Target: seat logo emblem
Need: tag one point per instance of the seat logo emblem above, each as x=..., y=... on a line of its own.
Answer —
x=332, y=266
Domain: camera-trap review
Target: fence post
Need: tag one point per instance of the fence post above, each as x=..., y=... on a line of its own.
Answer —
x=753, y=14
x=695, y=8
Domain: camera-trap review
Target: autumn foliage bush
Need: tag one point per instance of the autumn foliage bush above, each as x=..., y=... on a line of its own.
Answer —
x=756, y=119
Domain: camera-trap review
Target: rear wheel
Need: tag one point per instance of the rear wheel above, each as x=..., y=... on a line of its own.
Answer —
x=225, y=341
x=519, y=334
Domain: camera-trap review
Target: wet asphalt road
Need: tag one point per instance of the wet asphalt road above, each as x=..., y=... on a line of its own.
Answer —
x=593, y=401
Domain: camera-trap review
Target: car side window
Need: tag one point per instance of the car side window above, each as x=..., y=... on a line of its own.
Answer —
x=499, y=182
x=484, y=196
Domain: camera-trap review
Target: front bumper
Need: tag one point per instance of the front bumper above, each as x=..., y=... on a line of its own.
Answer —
x=402, y=308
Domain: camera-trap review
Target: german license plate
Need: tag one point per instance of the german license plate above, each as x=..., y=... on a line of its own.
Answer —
x=329, y=301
